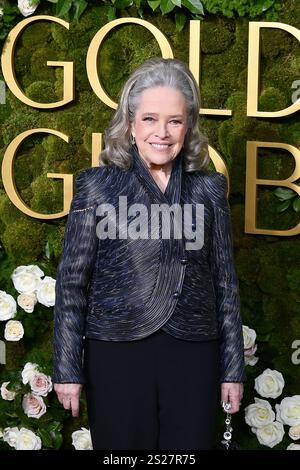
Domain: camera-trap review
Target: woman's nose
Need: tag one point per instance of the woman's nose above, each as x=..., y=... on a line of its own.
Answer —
x=162, y=130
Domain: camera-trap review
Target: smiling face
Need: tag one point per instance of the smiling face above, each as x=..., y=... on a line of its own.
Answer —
x=160, y=125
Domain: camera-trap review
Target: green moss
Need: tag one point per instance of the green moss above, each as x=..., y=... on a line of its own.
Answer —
x=47, y=195
x=275, y=42
x=134, y=45
x=55, y=236
x=24, y=241
x=38, y=32
x=271, y=99
x=56, y=150
x=38, y=63
x=217, y=35
x=41, y=92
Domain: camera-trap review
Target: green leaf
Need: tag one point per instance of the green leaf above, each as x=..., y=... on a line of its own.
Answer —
x=177, y=3
x=180, y=20
x=111, y=13
x=80, y=6
x=284, y=193
x=121, y=4
x=46, y=437
x=166, y=6
x=154, y=4
x=195, y=6
x=57, y=439
x=9, y=9
x=55, y=426
x=283, y=206
x=296, y=204
x=62, y=7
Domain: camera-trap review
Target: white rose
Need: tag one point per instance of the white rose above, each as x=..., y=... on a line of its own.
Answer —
x=251, y=360
x=26, y=8
x=288, y=412
x=14, y=330
x=259, y=414
x=1, y=12
x=81, y=439
x=40, y=384
x=10, y=435
x=26, y=278
x=46, y=291
x=294, y=432
x=250, y=351
x=249, y=336
x=8, y=306
x=269, y=435
x=293, y=447
x=33, y=405
x=27, y=301
x=27, y=440
x=28, y=372
x=7, y=394
x=269, y=384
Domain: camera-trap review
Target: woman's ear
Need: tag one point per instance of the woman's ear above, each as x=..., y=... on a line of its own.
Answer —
x=132, y=130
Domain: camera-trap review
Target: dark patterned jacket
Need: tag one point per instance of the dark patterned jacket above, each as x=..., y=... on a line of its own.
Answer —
x=125, y=289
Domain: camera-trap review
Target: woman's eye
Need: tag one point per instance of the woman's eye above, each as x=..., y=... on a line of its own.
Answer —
x=174, y=121
x=148, y=118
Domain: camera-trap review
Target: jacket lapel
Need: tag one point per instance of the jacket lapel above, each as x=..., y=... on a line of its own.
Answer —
x=173, y=190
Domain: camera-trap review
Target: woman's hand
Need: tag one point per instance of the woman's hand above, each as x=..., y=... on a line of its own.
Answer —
x=68, y=395
x=232, y=392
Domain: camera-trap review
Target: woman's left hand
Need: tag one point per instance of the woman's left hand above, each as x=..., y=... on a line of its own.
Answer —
x=232, y=392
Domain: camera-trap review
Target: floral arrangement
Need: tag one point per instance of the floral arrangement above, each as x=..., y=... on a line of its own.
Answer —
x=181, y=10
x=260, y=416
x=31, y=417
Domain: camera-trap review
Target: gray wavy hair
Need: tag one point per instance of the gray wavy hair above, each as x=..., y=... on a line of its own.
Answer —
x=152, y=73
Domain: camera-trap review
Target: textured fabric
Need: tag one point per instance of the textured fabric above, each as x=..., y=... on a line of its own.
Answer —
x=125, y=289
x=156, y=393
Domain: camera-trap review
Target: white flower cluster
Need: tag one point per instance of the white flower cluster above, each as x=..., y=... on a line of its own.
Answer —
x=32, y=288
x=40, y=384
x=81, y=439
x=250, y=347
x=261, y=417
x=22, y=439
x=26, y=7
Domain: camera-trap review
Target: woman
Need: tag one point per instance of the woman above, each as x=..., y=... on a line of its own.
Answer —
x=156, y=315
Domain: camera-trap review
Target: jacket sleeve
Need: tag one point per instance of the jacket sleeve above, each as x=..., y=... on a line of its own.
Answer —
x=73, y=273
x=232, y=362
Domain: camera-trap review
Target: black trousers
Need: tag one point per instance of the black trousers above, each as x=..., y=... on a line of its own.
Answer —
x=159, y=392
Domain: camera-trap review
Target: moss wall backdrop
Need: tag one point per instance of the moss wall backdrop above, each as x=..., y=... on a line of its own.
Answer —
x=267, y=266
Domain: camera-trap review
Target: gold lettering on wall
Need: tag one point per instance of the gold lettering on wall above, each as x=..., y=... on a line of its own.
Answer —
x=9, y=182
x=219, y=164
x=92, y=54
x=253, y=69
x=7, y=63
x=252, y=182
x=195, y=67
x=96, y=148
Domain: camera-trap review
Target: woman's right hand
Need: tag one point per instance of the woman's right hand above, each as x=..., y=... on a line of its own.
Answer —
x=68, y=395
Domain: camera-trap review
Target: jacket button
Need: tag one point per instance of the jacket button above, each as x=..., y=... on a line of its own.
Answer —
x=183, y=261
x=176, y=294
